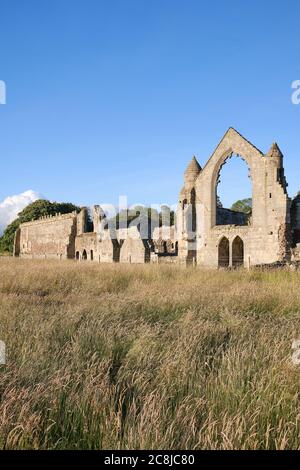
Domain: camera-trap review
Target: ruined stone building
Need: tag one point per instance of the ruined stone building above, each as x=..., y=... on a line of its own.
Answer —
x=205, y=233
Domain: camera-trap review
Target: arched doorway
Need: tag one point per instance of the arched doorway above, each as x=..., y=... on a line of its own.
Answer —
x=77, y=254
x=237, y=252
x=223, y=253
x=84, y=254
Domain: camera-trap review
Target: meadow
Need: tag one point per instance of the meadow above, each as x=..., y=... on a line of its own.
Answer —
x=147, y=357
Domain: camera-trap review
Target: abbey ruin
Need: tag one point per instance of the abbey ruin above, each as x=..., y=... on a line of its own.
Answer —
x=205, y=234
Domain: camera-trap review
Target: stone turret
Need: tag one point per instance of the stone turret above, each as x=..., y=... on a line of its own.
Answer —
x=274, y=151
x=186, y=212
x=274, y=159
x=190, y=175
x=192, y=171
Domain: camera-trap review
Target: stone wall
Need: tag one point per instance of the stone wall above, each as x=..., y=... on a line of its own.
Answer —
x=204, y=234
x=109, y=247
x=267, y=238
x=94, y=247
x=229, y=217
x=49, y=237
x=133, y=248
x=295, y=220
x=164, y=240
x=86, y=246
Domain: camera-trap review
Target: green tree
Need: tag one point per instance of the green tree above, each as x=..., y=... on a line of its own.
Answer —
x=33, y=211
x=243, y=205
x=144, y=216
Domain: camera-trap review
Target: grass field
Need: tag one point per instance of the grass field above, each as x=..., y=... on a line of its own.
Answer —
x=113, y=356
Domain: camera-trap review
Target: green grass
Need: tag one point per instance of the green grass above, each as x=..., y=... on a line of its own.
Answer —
x=147, y=357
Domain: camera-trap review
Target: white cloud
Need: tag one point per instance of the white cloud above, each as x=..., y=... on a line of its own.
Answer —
x=12, y=205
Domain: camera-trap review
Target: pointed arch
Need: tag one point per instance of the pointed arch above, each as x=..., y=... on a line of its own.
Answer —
x=232, y=144
x=223, y=253
x=225, y=215
x=237, y=252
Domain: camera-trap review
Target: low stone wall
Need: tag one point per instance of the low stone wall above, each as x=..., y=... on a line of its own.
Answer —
x=49, y=237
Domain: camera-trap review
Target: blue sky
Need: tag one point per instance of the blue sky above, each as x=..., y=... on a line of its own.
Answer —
x=114, y=97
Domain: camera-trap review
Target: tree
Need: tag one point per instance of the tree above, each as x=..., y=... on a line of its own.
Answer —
x=33, y=211
x=243, y=205
x=146, y=218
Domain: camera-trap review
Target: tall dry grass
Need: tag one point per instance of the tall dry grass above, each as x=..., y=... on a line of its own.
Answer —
x=112, y=356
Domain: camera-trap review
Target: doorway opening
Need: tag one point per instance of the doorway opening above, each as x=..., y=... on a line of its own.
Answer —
x=223, y=253
x=237, y=252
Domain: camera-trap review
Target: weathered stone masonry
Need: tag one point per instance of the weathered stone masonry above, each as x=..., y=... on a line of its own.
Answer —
x=49, y=237
x=205, y=234
x=266, y=239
